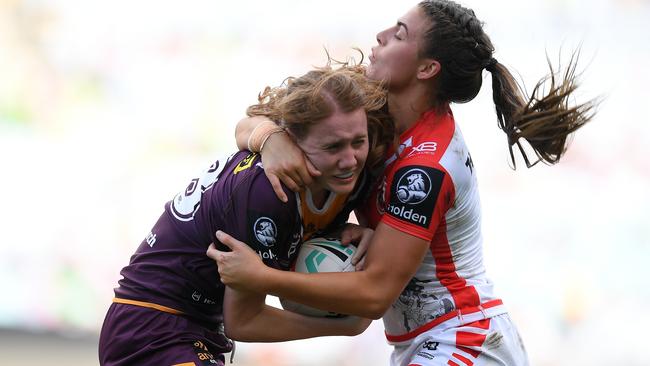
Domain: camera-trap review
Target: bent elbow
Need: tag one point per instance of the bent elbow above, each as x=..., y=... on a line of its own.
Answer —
x=239, y=334
x=376, y=308
x=235, y=330
x=231, y=332
x=376, y=312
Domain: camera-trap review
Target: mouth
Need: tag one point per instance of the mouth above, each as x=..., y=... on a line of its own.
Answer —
x=345, y=176
x=372, y=58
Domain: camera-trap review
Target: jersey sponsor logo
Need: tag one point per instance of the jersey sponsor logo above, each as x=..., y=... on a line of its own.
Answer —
x=266, y=231
x=413, y=194
x=246, y=163
x=413, y=186
x=267, y=254
x=431, y=345
x=296, y=239
x=204, y=355
x=427, y=147
x=197, y=296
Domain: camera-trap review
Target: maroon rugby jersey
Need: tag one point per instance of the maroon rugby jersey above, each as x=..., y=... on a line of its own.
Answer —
x=170, y=267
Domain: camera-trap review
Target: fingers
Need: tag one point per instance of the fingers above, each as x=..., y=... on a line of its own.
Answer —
x=307, y=171
x=283, y=176
x=277, y=187
x=361, y=264
x=228, y=240
x=362, y=248
x=212, y=251
x=313, y=172
x=297, y=176
x=350, y=234
x=303, y=176
x=215, y=253
x=346, y=237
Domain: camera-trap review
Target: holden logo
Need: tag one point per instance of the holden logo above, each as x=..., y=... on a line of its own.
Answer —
x=414, y=186
x=265, y=231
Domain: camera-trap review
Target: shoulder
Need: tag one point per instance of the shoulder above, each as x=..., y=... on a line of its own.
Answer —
x=258, y=192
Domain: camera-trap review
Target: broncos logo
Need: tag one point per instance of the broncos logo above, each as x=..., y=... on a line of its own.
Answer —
x=265, y=231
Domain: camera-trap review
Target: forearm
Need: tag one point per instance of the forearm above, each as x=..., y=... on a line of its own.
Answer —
x=392, y=260
x=276, y=325
x=245, y=128
x=251, y=321
x=367, y=293
x=353, y=293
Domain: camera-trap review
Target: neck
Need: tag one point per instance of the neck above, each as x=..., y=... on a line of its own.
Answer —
x=406, y=106
x=318, y=196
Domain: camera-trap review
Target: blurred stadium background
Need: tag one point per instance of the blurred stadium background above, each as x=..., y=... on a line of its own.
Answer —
x=107, y=107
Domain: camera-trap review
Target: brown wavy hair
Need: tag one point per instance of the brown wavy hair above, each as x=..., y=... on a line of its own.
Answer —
x=544, y=119
x=301, y=102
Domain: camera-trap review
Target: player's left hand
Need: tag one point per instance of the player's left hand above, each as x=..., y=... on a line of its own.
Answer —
x=241, y=268
x=361, y=237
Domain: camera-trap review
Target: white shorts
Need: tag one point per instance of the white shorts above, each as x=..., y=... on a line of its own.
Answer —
x=491, y=341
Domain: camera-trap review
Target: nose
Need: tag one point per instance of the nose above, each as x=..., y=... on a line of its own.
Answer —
x=348, y=159
x=381, y=38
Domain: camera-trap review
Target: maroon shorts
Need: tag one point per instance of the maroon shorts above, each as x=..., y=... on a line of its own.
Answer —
x=135, y=335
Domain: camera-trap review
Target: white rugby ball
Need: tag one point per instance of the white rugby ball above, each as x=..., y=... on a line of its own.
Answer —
x=321, y=255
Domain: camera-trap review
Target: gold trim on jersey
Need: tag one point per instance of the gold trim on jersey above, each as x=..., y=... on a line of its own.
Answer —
x=149, y=305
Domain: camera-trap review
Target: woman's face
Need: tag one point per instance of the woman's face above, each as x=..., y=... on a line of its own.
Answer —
x=338, y=147
x=395, y=57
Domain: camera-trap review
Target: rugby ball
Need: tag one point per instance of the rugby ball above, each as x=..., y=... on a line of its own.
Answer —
x=321, y=255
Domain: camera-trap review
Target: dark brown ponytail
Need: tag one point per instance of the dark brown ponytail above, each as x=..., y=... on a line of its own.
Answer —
x=544, y=119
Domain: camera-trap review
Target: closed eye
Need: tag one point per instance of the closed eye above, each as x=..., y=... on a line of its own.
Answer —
x=358, y=142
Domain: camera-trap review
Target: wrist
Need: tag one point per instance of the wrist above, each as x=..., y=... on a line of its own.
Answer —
x=261, y=134
x=264, y=279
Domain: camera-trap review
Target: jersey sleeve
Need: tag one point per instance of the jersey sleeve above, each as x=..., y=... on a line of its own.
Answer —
x=269, y=226
x=419, y=195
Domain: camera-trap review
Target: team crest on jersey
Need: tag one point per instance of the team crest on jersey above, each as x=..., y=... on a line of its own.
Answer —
x=413, y=194
x=413, y=186
x=266, y=231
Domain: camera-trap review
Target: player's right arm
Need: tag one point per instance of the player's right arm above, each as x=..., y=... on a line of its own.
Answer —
x=282, y=158
x=248, y=319
x=366, y=293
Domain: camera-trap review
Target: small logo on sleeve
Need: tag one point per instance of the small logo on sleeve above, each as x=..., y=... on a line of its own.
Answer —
x=413, y=186
x=427, y=147
x=266, y=231
x=413, y=194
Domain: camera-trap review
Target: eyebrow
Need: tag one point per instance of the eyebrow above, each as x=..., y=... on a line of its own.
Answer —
x=402, y=24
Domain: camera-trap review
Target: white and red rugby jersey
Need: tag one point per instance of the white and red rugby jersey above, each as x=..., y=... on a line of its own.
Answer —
x=430, y=191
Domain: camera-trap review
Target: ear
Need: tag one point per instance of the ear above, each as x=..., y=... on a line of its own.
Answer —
x=428, y=68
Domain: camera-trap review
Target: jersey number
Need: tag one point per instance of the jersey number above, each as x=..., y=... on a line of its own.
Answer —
x=186, y=203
